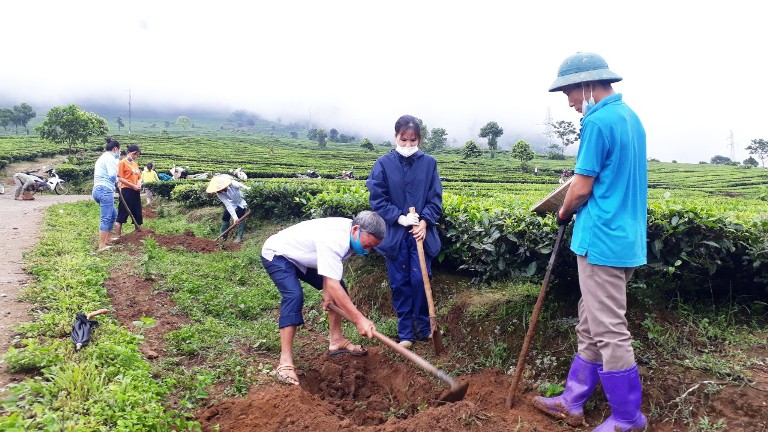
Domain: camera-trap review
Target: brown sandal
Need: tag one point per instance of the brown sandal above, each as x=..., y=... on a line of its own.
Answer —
x=286, y=374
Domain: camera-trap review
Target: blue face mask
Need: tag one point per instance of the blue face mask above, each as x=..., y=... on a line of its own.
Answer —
x=116, y=155
x=586, y=106
x=356, y=245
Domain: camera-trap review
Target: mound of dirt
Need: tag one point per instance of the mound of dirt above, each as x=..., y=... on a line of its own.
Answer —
x=188, y=241
x=371, y=393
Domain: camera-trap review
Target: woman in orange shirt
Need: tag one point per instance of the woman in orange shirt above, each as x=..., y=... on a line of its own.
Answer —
x=129, y=180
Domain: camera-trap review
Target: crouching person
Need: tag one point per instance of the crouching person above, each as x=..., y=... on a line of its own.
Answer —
x=230, y=193
x=24, y=183
x=313, y=251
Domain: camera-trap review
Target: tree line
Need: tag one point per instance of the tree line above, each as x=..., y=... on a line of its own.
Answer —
x=18, y=116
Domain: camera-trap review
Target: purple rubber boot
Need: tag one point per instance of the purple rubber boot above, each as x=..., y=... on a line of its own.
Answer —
x=581, y=382
x=625, y=393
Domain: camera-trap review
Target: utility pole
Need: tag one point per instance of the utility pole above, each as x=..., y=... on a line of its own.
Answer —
x=548, y=130
x=732, y=146
x=129, y=111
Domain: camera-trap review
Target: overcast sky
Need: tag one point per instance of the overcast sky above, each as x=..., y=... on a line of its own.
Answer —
x=693, y=70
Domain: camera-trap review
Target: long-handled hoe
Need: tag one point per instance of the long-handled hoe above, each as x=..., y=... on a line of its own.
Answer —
x=534, y=318
x=457, y=389
x=122, y=200
x=437, y=337
x=231, y=227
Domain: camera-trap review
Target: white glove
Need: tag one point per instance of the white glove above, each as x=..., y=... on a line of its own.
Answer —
x=408, y=220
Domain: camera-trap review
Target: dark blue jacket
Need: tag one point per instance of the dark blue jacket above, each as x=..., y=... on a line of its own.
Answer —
x=397, y=183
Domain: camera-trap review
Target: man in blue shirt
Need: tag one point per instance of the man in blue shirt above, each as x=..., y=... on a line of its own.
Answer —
x=609, y=195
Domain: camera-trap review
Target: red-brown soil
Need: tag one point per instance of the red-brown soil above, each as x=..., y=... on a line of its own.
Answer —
x=188, y=241
x=134, y=298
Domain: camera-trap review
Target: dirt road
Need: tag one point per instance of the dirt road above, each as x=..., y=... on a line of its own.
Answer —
x=20, y=223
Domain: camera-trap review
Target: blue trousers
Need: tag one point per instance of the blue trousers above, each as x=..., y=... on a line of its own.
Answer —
x=287, y=277
x=408, y=296
x=106, y=199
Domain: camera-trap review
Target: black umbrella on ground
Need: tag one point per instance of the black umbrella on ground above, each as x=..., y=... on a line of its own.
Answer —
x=83, y=327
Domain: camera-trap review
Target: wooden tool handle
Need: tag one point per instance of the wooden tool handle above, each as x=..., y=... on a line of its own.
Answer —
x=408, y=354
x=425, y=273
x=125, y=204
x=231, y=227
x=534, y=319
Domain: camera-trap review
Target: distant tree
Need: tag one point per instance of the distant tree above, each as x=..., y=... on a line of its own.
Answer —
x=71, y=126
x=522, y=151
x=367, y=144
x=321, y=136
x=437, y=140
x=653, y=160
x=5, y=117
x=492, y=131
x=312, y=134
x=674, y=161
x=471, y=150
x=22, y=114
x=243, y=118
x=750, y=161
x=566, y=131
x=343, y=138
x=333, y=135
x=183, y=121
x=387, y=143
x=719, y=160
x=555, y=152
x=120, y=123
x=423, y=130
x=294, y=134
x=167, y=124
x=759, y=148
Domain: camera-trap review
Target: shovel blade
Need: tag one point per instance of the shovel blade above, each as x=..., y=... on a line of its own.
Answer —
x=454, y=394
x=437, y=341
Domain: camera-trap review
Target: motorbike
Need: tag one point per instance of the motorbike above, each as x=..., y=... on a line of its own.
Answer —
x=52, y=182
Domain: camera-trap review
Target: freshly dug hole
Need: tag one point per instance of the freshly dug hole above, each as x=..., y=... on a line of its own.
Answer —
x=371, y=389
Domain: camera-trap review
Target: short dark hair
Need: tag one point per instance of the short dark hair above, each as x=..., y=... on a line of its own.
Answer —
x=406, y=123
x=133, y=148
x=150, y=166
x=112, y=143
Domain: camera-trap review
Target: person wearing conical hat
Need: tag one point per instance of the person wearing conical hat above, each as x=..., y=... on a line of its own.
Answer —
x=230, y=193
x=609, y=196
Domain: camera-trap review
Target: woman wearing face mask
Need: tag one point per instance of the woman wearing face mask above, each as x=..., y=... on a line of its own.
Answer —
x=403, y=178
x=104, y=179
x=129, y=179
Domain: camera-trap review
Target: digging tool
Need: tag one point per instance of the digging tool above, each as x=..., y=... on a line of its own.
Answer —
x=122, y=200
x=437, y=337
x=534, y=318
x=454, y=394
x=231, y=227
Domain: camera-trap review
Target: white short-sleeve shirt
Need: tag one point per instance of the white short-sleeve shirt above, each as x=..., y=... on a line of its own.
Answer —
x=320, y=244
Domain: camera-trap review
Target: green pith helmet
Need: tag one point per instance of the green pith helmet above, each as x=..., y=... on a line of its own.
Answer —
x=583, y=67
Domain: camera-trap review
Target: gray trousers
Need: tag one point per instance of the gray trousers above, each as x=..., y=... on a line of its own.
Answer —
x=602, y=328
x=23, y=182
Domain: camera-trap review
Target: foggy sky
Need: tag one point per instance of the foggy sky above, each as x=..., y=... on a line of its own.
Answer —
x=693, y=71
